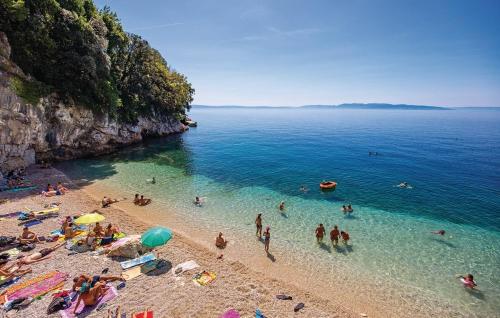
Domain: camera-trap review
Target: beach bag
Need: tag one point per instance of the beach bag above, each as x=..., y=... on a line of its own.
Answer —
x=6, y=240
x=27, y=247
x=58, y=303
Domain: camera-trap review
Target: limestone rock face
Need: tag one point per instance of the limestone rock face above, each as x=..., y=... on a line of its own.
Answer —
x=51, y=130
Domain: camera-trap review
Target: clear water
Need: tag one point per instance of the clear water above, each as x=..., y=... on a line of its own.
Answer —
x=247, y=161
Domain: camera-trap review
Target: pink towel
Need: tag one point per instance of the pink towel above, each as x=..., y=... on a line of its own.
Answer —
x=41, y=287
x=84, y=311
x=230, y=314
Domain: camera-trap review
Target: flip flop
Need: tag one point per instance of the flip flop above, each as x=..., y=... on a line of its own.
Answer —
x=121, y=285
x=104, y=271
x=283, y=297
x=298, y=307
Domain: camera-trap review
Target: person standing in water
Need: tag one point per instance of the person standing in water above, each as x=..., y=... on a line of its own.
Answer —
x=345, y=237
x=258, y=225
x=334, y=236
x=282, y=205
x=320, y=232
x=267, y=239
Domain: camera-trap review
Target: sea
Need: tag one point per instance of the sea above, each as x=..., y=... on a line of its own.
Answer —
x=246, y=161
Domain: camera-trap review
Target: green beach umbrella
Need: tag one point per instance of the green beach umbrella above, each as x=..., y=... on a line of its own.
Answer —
x=90, y=218
x=156, y=236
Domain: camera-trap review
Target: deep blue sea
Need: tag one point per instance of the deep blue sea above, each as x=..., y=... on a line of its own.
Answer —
x=244, y=161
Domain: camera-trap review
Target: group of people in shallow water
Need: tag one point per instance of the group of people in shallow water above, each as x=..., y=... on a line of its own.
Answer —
x=141, y=201
x=335, y=234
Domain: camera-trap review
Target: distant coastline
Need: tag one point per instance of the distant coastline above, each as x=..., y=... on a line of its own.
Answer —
x=354, y=106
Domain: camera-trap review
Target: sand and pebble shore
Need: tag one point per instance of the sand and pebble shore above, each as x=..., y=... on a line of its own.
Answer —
x=168, y=295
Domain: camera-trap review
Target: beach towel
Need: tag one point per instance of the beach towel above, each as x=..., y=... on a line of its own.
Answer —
x=32, y=223
x=84, y=311
x=12, y=252
x=204, y=278
x=144, y=314
x=231, y=313
x=10, y=215
x=4, y=281
x=183, y=267
x=46, y=211
x=139, y=270
x=35, y=287
x=138, y=261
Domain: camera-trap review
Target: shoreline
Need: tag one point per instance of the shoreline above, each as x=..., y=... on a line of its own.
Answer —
x=367, y=299
x=236, y=286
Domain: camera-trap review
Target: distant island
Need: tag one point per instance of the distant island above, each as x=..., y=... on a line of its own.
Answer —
x=342, y=106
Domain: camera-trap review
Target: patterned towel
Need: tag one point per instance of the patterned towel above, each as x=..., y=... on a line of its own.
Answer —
x=35, y=287
x=84, y=311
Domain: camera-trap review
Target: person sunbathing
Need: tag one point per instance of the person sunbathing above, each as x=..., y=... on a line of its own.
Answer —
x=143, y=201
x=12, y=270
x=65, y=223
x=98, y=230
x=61, y=188
x=106, y=202
x=68, y=231
x=220, y=242
x=28, y=237
x=91, y=295
x=79, y=280
x=110, y=230
x=38, y=256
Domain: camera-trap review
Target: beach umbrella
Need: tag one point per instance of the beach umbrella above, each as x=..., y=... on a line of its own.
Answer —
x=156, y=236
x=90, y=218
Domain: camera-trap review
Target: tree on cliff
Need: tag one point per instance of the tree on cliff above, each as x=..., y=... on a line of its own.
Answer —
x=83, y=54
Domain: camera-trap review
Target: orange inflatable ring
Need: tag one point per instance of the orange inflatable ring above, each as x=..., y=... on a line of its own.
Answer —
x=328, y=185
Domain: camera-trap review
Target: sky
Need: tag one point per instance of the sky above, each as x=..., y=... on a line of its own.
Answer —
x=290, y=53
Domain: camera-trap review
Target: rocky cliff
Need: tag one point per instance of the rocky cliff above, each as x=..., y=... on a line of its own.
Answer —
x=54, y=130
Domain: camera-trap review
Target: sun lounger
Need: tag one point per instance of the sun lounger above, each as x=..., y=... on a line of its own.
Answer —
x=138, y=261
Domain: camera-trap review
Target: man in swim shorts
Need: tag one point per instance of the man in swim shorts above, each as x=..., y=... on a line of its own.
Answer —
x=320, y=232
x=334, y=236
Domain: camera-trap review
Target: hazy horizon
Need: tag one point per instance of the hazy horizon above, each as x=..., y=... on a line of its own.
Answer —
x=326, y=52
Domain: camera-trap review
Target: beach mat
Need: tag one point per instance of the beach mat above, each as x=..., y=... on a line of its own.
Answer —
x=144, y=314
x=31, y=223
x=11, y=215
x=139, y=270
x=137, y=261
x=183, y=267
x=35, y=287
x=84, y=311
x=204, y=278
x=12, y=252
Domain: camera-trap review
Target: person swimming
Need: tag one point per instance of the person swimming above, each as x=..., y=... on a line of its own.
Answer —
x=282, y=206
x=320, y=233
x=303, y=189
x=197, y=201
x=349, y=208
x=344, y=209
x=404, y=185
x=153, y=181
x=440, y=232
x=468, y=281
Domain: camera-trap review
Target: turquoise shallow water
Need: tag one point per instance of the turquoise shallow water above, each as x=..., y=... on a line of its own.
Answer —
x=246, y=161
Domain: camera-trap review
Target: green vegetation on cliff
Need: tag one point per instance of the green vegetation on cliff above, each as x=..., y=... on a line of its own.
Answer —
x=84, y=54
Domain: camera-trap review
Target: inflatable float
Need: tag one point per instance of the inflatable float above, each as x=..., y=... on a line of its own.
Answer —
x=328, y=185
